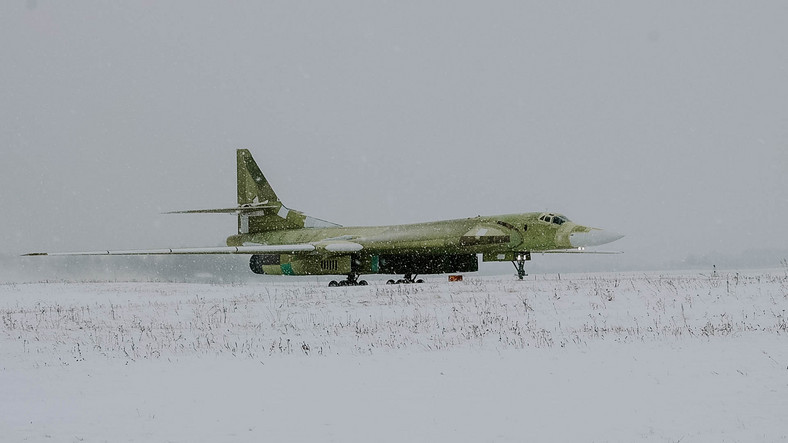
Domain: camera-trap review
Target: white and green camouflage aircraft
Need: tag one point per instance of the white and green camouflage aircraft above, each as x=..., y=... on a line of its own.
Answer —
x=283, y=241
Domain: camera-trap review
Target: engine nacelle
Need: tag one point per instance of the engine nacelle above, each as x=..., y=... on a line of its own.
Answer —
x=287, y=264
x=298, y=265
x=427, y=263
x=258, y=262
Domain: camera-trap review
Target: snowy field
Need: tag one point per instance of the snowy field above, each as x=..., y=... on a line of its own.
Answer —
x=583, y=357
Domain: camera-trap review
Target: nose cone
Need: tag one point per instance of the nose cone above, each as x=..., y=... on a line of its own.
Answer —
x=594, y=237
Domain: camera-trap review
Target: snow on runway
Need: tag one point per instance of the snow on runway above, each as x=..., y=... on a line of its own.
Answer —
x=596, y=357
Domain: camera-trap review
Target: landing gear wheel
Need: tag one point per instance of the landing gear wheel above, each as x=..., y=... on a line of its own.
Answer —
x=407, y=279
x=351, y=280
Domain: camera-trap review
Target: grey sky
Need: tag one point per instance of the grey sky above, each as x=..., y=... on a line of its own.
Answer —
x=666, y=121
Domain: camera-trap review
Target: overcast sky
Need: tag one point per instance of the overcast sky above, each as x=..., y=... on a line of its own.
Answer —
x=665, y=121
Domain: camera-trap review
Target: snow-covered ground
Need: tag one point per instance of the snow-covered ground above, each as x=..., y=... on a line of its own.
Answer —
x=593, y=357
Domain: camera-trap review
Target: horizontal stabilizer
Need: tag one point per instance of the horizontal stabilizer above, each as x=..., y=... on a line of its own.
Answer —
x=235, y=210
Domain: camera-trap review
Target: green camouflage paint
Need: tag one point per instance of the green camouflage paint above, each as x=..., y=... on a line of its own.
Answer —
x=287, y=269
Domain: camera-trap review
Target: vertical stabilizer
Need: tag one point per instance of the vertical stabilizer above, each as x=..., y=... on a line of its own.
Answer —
x=253, y=188
x=259, y=209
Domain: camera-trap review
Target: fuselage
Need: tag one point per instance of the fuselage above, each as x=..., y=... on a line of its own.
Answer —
x=501, y=233
x=497, y=238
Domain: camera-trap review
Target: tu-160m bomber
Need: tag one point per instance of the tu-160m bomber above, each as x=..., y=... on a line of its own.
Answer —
x=283, y=241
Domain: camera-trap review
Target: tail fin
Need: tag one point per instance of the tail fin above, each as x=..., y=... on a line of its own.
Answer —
x=253, y=188
x=260, y=210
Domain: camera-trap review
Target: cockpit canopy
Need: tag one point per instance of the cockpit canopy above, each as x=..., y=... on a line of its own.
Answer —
x=557, y=219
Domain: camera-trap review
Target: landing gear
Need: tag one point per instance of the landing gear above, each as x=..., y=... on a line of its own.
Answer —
x=352, y=280
x=409, y=278
x=519, y=263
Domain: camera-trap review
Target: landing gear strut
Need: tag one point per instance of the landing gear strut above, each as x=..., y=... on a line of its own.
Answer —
x=519, y=263
x=352, y=280
x=409, y=278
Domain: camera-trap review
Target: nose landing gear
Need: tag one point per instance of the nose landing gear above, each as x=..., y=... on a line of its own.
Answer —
x=519, y=263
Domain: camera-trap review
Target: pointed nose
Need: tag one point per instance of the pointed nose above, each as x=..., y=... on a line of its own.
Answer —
x=594, y=237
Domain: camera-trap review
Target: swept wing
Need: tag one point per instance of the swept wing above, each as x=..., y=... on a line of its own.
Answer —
x=301, y=248
x=575, y=251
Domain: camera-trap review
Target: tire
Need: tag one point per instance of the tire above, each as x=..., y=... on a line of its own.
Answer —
x=362, y=282
x=419, y=281
x=390, y=282
x=332, y=284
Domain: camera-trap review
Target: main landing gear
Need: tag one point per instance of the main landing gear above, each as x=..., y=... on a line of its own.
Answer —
x=519, y=263
x=352, y=280
x=409, y=278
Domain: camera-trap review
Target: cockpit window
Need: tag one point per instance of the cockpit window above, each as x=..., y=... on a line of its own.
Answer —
x=553, y=218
